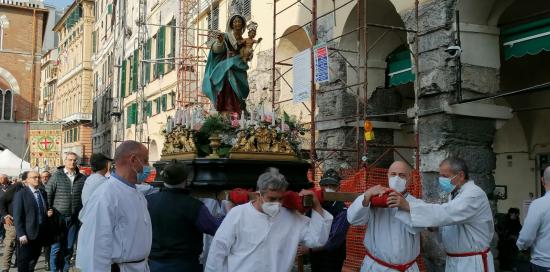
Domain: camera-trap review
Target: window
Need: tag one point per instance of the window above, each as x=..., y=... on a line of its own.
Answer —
x=157, y=104
x=213, y=21
x=4, y=23
x=172, y=100
x=161, y=40
x=123, y=80
x=163, y=102
x=172, y=54
x=147, y=57
x=242, y=7
x=131, y=67
x=148, y=108
x=94, y=42
x=8, y=99
x=131, y=115
x=135, y=71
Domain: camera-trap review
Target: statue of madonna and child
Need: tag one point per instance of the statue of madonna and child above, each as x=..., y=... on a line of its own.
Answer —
x=225, y=80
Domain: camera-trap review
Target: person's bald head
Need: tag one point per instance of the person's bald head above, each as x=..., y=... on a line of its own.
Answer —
x=401, y=169
x=130, y=158
x=127, y=149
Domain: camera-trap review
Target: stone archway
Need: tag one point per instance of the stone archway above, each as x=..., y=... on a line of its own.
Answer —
x=294, y=40
x=381, y=43
x=154, y=154
x=10, y=79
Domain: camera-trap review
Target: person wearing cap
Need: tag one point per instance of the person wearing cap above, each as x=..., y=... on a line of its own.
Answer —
x=100, y=166
x=331, y=256
x=179, y=222
x=391, y=241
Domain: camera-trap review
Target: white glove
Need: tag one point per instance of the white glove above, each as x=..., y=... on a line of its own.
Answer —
x=23, y=240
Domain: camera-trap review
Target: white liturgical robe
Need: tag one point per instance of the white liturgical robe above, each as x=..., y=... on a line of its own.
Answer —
x=116, y=229
x=249, y=240
x=466, y=226
x=390, y=236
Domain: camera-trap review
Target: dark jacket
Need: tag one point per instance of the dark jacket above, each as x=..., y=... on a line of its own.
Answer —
x=175, y=234
x=6, y=201
x=26, y=212
x=64, y=197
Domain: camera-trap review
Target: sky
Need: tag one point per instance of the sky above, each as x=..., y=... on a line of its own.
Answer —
x=59, y=4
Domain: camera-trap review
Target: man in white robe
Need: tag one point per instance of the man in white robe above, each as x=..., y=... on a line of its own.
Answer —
x=465, y=221
x=262, y=236
x=391, y=242
x=116, y=232
x=535, y=234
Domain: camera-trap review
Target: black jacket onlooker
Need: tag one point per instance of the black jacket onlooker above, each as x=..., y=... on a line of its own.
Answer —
x=26, y=214
x=64, y=196
x=6, y=201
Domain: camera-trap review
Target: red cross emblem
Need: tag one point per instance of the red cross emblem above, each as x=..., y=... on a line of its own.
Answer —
x=45, y=143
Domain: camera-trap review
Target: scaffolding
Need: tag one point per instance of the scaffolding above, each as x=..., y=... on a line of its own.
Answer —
x=193, y=52
x=361, y=52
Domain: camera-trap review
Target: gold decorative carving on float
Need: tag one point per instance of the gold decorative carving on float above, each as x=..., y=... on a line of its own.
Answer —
x=262, y=143
x=179, y=144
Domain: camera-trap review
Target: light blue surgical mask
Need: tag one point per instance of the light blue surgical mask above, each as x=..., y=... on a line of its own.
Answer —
x=142, y=175
x=446, y=185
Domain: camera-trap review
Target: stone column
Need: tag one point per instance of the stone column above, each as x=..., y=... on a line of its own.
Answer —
x=442, y=132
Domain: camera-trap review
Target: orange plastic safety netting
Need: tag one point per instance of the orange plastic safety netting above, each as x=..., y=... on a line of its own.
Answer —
x=357, y=181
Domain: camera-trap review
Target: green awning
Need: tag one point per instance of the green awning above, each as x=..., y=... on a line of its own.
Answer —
x=400, y=67
x=529, y=38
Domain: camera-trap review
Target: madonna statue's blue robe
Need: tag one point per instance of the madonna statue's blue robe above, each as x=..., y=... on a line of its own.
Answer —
x=225, y=80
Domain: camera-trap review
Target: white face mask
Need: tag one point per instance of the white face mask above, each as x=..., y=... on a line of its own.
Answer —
x=329, y=190
x=397, y=183
x=271, y=208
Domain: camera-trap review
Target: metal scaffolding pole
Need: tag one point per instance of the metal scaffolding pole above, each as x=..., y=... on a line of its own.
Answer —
x=362, y=51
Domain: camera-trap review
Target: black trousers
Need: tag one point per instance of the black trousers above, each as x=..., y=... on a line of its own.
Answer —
x=28, y=254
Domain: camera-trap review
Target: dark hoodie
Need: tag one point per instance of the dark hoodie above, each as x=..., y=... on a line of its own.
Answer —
x=64, y=196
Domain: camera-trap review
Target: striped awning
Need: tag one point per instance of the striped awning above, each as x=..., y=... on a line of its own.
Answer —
x=400, y=67
x=529, y=38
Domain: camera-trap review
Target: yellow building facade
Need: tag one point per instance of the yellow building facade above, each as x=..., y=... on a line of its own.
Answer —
x=74, y=90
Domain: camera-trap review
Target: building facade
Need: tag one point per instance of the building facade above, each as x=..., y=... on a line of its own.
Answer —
x=48, y=84
x=22, y=27
x=103, y=71
x=74, y=90
x=146, y=76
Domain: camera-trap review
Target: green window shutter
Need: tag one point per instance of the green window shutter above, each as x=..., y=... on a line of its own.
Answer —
x=400, y=67
x=157, y=101
x=94, y=41
x=161, y=40
x=135, y=71
x=149, y=108
x=135, y=113
x=163, y=102
x=123, y=80
x=172, y=54
x=148, y=64
x=110, y=9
